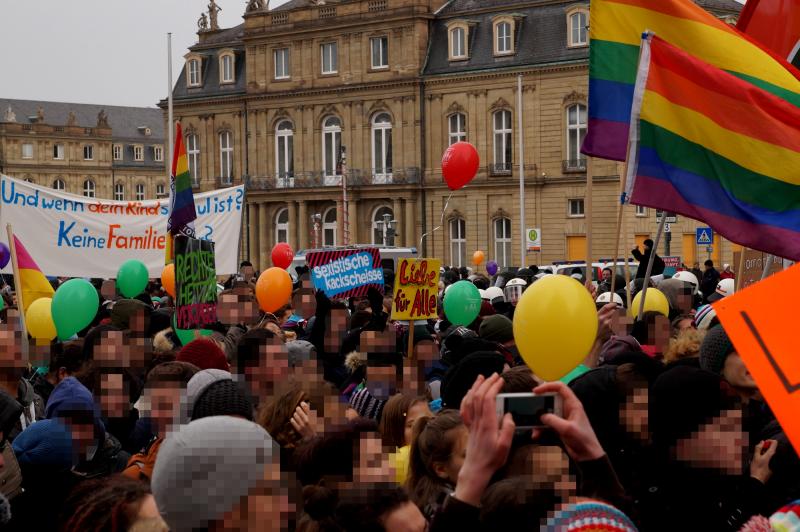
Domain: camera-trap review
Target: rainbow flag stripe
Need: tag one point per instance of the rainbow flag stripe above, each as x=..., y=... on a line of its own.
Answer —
x=716, y=148
x=182, y=213
x=616, y=27
x=32, y=282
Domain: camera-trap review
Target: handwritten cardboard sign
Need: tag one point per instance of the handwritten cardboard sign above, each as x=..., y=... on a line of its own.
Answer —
x=344, y=273
x=195, y=283
x=416, y=289
x=760, y=322
x=754, y=262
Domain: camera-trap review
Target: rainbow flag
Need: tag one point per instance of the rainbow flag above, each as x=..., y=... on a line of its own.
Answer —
x=716, y=148
x=615, y=30
x=32, y=282
x=182, y=213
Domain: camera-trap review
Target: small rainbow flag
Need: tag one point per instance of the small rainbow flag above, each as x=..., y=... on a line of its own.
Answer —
x=32, y=282
x=182, y=213
x=615, y=30
x=716, y=148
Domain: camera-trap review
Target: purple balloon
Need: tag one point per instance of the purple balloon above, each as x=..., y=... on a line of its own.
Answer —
x=491, y=267
x=5, y=255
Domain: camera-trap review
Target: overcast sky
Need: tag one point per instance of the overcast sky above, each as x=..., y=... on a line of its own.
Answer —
x=111, y=52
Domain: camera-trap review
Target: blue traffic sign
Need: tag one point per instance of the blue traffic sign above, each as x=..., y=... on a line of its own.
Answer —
x=705, y=236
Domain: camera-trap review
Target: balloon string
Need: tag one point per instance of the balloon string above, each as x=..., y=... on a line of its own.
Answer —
x=441, y=222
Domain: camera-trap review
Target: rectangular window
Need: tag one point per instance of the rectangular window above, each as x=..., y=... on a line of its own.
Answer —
x=193, y=154
x=138, y=153
x=160, y=190
x=577, y=22
x=58, y=152
x=502, y=241
x=504, y=38
x=380, y=52
x=27, y=151
x=458, y=43
x=139, y=192
x=641, y=211
x=88, y=152
x=330, y=59
x=226, y=156
x=158, y=154
x=576, y=208
x=458, y=128
x=502, y=141
x=576, y=131
x=458, y=242
x=119, y=192
x=117, y=150
x=282, y=63
x=227, y=69
x=194, y=72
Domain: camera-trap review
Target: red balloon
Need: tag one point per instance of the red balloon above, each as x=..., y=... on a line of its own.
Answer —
x=460, y=164
x=282, y=255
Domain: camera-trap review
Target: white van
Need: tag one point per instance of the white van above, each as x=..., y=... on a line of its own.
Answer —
x=389, y=255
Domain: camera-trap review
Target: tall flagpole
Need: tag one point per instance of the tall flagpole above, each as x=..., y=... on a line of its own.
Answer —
x=521, y=134
x=12, y=244
x=170, y=119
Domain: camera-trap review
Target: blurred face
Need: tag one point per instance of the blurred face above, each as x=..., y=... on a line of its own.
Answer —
x=735, y=372
x=11, y=344
x=303, y=300
x=719, y=444
x=661, y=333
x=405, y=518
x=272, y=367
x=550, y=467
x=450, y=469
x=235, y=308
x=382, y=381
x=114, y=398
x=634, y=414
x=418, y=410
x=268, y=506
x=373, y=461
x=337, y=328
x=426, y=352
x=165, y=405
x=113, y=351
x=607, y=276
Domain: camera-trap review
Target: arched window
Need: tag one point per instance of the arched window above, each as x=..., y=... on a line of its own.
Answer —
x=329, y=228
x=193, y=153
x=282, y=226
x=382, y=148
x=226, y=157
x=284, y=153
x=577, y=29
x=576, y=131
x=119, y=192
x=502, y=241
x=88, y=188
x=458, y=127
x=59, y=184
x=380, y=231
x=458, y=242
x=140, y=192
x=502, y=141
x=331, y=148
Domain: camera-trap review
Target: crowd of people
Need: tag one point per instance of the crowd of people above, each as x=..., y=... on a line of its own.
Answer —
x=322, y=417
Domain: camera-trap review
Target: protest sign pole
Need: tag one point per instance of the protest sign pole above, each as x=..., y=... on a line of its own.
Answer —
x=18, y=288
x=650, y=265
x=623, y=184
x=411, y=341
x=740, y=269
x=588, y=214
x=767, y=266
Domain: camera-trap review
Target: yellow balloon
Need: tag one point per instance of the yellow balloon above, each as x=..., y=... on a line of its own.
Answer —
x=39, y=320
x=555, y=325
x=655, y=301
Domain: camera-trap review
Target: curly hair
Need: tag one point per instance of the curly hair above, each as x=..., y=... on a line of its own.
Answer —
x=108, y=504
x=685, y=345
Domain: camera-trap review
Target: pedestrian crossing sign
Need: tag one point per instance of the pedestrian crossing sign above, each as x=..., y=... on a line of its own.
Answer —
x=705, y=236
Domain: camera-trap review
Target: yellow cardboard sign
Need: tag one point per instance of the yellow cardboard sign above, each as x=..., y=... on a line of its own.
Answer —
x=416, y=289
x=761, y=322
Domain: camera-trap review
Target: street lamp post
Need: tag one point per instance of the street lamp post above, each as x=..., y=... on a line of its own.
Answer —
x=388, y=229
x=316, y=220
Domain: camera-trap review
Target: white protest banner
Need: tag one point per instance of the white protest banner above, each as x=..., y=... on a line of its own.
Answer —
x=75, y=236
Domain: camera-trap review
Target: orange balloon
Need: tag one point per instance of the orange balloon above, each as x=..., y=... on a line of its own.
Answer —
x=477, y=257
x=273, y=289
x=168, y=279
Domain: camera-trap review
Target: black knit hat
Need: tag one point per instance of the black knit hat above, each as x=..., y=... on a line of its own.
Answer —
x=223, y=398
x=460, y=378
x=715, y=349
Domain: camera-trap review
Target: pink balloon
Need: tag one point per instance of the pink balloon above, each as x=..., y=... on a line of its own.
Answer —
x=460, y=164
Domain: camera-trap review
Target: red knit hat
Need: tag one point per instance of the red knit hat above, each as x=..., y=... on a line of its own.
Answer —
x=205, y=354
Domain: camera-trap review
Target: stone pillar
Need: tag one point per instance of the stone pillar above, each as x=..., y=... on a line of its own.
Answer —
x=263, y=239
x=252, y=232
x=397, y=211
x=302, y=225
x=292, y=224
x=411, y=222
x=353, y=220
x=339, y=222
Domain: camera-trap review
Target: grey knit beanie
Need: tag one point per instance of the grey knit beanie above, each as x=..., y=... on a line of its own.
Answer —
x=205, y=468
x=197, y=385
x=715, y=349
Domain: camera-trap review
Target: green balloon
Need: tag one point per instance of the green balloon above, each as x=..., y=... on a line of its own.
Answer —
x=187, y=335
x=74, y=307
x=2, y=303
x=132, y=278
x=462, y=303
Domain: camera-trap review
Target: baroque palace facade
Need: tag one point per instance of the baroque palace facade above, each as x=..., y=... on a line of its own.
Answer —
x=91, y=150
x=305, y=96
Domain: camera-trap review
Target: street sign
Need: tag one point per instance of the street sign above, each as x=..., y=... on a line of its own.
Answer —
x=667, y=227
x=705, y=236
x=671, y=217
x=710, y=249
x=534, y=239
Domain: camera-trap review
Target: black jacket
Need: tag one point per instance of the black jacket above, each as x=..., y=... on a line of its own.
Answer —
x=644, y=259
